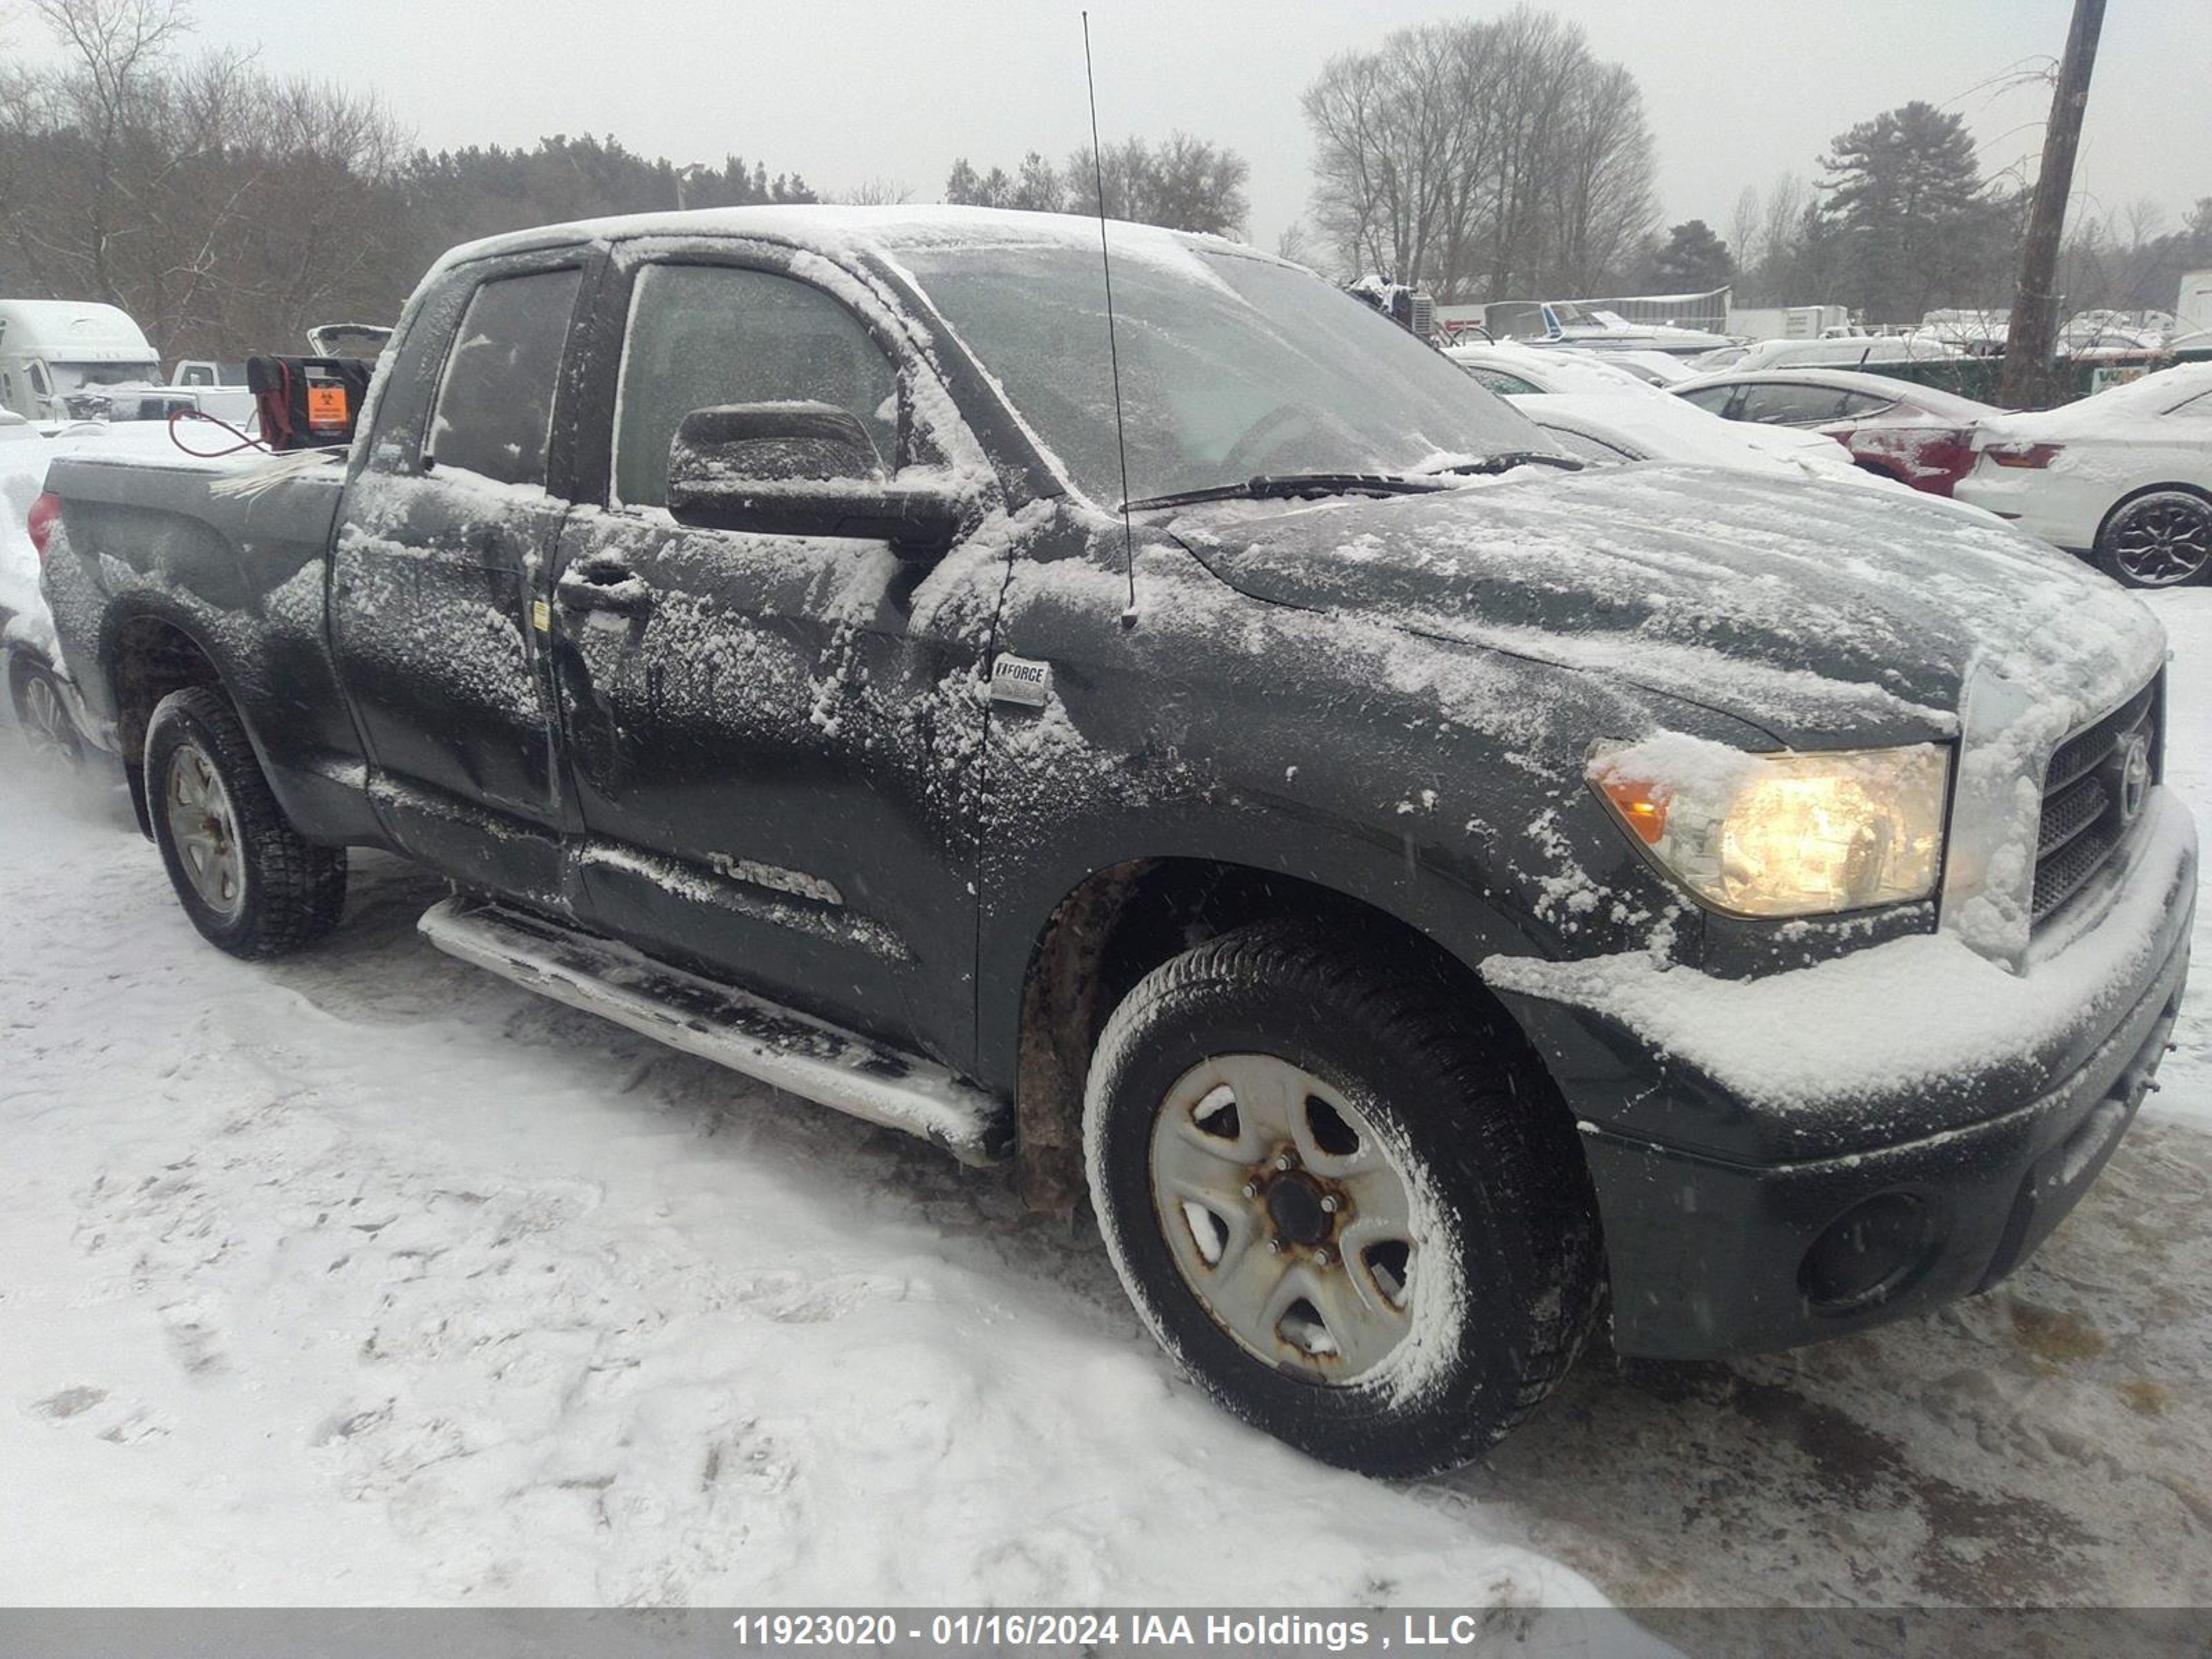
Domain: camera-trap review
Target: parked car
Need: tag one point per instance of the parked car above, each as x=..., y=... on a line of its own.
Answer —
x=1661, y=369
x=362, y=340
x=1604, y=430
x=207, y=371
x=49, y=715
x=1914, y=434
x=1855, y=351
x=2123, y=478
x=1575, y=324
x=1603, y=413
x=1411, y=881
x=1512, y=370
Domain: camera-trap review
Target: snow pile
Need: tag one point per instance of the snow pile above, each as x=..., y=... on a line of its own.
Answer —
x=2128, y=410
x=369, y=1277
x=25, y=450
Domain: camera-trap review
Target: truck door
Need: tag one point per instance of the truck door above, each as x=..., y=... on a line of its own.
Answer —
x=439, y=576
x=773, y=738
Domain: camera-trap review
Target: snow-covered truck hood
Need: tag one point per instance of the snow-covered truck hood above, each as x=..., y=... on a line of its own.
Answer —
x=1825, y=615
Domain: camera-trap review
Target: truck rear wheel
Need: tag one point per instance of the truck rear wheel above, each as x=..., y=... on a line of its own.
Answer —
x=250, y=883
x=1354, y=1213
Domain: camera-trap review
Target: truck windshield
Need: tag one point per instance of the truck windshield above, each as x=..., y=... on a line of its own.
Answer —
x=75, y=377
x=1231, y=366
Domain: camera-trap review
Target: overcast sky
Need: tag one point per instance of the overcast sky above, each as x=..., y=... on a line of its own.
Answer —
x=846, y=91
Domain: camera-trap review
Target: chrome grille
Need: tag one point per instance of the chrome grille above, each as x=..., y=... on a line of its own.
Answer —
x=2083, y=820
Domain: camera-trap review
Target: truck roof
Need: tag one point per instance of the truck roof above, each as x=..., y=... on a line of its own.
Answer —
x=71, y=331
x=881, y=230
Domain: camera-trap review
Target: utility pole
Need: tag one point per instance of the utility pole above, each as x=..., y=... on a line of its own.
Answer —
x=2032, y=339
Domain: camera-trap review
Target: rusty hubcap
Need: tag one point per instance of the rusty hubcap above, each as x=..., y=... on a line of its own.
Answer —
x=1287, y=1215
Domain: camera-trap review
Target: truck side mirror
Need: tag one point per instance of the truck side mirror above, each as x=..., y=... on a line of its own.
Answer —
x=801, y=469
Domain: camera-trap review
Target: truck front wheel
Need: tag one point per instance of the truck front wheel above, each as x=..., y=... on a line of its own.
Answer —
x=250, y=883
x=1352, y=1209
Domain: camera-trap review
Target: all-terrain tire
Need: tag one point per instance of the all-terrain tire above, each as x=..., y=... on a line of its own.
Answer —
x=1505, y=1283
x=288, y=891
x=2160, y=538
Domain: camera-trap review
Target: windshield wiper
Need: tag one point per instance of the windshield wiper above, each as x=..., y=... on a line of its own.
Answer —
x=1507, y=460
x=1296, y=486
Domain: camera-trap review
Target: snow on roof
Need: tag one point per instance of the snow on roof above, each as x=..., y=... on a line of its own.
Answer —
x=1843, y=380
x=1658, y=426
x=1847, y=350
x=72, y=331
x=883, y=231
x=1555, y=370
x=2115, y=412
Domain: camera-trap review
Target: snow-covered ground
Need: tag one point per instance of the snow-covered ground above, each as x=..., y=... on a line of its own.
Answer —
x=367, y=1278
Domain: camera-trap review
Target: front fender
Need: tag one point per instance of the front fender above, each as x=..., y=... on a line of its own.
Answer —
x=1439, y=784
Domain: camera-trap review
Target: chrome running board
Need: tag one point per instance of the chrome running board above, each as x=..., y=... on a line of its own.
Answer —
x=778, y=1045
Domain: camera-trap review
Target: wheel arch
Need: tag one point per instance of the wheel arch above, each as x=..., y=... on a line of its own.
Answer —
x=1121, y=919
x=147, y=652
x=2102, y=552
x=2177, y=487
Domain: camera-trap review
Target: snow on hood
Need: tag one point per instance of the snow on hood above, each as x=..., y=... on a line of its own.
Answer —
x=1827, y=616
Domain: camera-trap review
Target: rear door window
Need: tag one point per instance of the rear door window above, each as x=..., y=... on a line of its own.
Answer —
x=1713, y=399
x=1791, y=406
x=1503, y=384
x=495, y=403
x=1858, y=404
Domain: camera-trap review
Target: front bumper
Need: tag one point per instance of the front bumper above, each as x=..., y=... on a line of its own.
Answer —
x=1748, y=1225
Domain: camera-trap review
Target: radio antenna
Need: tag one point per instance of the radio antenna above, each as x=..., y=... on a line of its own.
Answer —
x=1113, y=346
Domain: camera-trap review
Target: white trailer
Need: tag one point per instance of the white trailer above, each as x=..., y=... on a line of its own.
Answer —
x=53, y=350
x=1787, y=322
x=2193, y=309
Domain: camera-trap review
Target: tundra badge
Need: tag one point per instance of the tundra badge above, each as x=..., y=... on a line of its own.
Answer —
x=1021, y=680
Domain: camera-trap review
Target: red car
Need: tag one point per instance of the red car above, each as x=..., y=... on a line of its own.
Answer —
x=1914, y=434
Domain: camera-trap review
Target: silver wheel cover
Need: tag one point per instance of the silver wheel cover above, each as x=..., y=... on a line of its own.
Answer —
x=1287, y=1215
x=205, y=830
x=46, y=724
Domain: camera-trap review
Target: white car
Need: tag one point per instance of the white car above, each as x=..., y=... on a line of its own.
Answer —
x=1516, y=371
x=2123, y=478
x=1603, y=429
x=1855, y=351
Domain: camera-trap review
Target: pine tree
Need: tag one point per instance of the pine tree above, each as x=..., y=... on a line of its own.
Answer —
x=1692, y=261
x=1916, y=227
x=964, y=186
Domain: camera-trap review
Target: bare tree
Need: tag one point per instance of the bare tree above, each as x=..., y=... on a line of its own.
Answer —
x=1184, y=183
x=1482, y=156
x=219, y=206
x=877, y=192
x=1743, y=228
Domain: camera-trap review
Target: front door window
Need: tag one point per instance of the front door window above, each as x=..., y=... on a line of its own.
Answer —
x=703, y=336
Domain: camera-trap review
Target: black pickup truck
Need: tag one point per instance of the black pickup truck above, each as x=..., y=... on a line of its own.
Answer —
x=1416, y=884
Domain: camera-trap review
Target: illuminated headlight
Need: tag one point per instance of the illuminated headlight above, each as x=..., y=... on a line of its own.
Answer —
x=1784, y=834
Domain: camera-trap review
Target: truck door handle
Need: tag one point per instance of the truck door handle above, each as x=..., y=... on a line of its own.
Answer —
x=603, y=584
